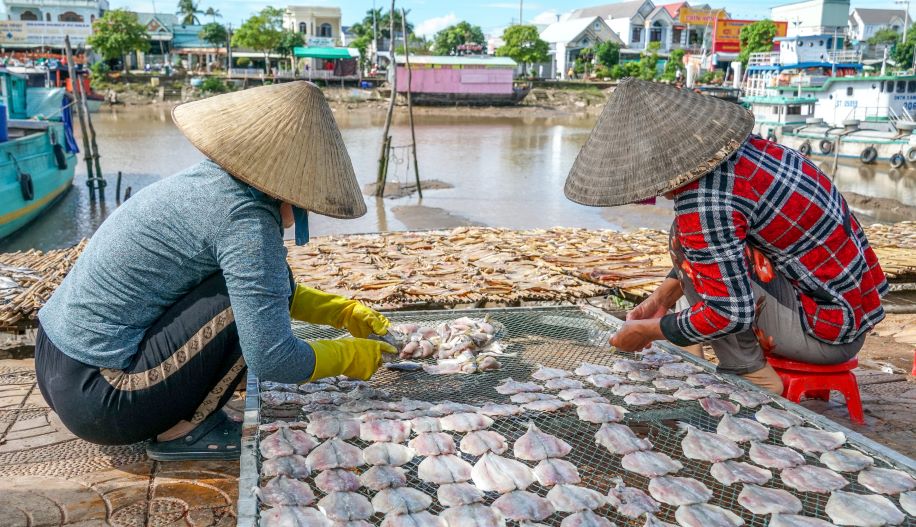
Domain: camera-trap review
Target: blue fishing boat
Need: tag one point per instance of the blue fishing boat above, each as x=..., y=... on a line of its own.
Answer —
x=37, y=153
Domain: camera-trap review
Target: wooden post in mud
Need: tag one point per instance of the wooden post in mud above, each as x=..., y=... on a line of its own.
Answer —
x=82, y=119
x=413, y=134
x=100, y=178
x=386, y=140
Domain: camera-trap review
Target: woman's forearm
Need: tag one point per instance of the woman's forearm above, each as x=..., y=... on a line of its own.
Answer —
x=669, y=292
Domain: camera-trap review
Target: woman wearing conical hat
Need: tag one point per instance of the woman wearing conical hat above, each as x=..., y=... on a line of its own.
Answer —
x=186, y=284
x=764, y=247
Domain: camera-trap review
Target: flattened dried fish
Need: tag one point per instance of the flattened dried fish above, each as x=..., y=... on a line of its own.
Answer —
x=809, y=439
x=605, y=380
x=510, y=386
x=675, y=490
x=550, y=472
x=334, y=426
x=678, y=369
x=345, y=506
x=740, y=429
x=808, y=478
x=706, y=515
x=627, y=365
x=585, y=519
x=382, y=477
x=294, y=466
x=546, y=405
x=535, y=445
x=886, y=480
x=283, y=490
x=570, y=498
x=417, y=519
x=563, y=383
x=493, y=473
x=908, y=502
x=642, y=375
x=862, y=510
x=465, y=422
x=475, y=515
x=500, y=410
x=705, y=446
x=690, y=393
x=449, y=407
x=292, y=517
x=400, y=500
x=620, y=439
x=631, y=501
x=448, y=468
x=650, y=463
x=384, y=430
x=520, y=505
x=773, y=456
x=621, y=390
x=796, y=520
x=846, y=460
x=777, y=418
x=646, y=399
x=543, y=373
x=337, y=480
x=334, y=453
x=458, y=494
x=718, y=407
x=731, y=472
x=702, y=379
x=276, y=425
x=763, y=500
x=433, y=444
x=600, y=413
x=424, y=424
x=388, y=454
x=286, y=442
x=587, y=368
x=482, y=441
x=578, y=393
x=749, y=399
x=527, y=397
x=652, y=521
x=668, y=384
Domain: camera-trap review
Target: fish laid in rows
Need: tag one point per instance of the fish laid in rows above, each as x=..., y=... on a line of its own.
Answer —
x=796, y=520
x=809, y=439
x=586, y=401
x=808, y=478
x=382, y=477
x=631, y=501
x=276, y=425
x=652, y=521
x=646, y=399
x=605, y=380
x=763, y=500
x=450, y=407
x=642, y=375
x=622, y=390
x=527, y=397
x=466, y=363
x=433, y=444
x=550, y=472
x=720, y=388
x=384, y=430
x=286, y=442
x=740, y=429
x=473, y=515
x=657, y=357
x=702, y=379
x=423, y=424
x=546, y=405
x=388, y=454
x=718, y=407
x=678, y=369
x=283, y=490
x=417, y=519
x=500, y=410
x=458, y=494
x=345, y=507
x=620, y=439
x=600, y=413
x=563, y=383
x=730, y=472
x=846, y=460
x=510, y=387
x=578, y=393
x=706, y=515
x=571, y=498
x=774, y=456
x=908, y=502
x=400, y=500
x=668, y=384
x=749, y=399
x=675, y=490
x=482, y=441
x=627, y=365
x=334, y=453
x=294, y=466
x=493, y=473
x=293, y=517
x=334, y=426
x=585, y=519
x=705, y=446
x=465, y=422
x=587, y=369
x=777, y=418
x=886, y=480
x=543, y=373
x=337, y=480
x=862, y=510
x=689, y=393
x=520, y=505
x=535, y=445
x=650, y=463
x=447, y=468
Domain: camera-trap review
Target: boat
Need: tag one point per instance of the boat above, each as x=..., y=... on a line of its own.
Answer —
x=472, y=80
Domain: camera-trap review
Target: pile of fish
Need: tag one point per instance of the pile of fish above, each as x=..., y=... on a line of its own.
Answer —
x=463, y=345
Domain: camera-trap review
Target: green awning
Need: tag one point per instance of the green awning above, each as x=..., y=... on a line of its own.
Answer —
x=323, y=53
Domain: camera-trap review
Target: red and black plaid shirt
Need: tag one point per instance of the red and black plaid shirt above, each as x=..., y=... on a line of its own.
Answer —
x=774, y=199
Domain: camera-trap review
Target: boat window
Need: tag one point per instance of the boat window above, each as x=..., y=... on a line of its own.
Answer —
x=901, y=86
x=911, y=86
x=793, y=110
x=849, y=91
x=776, y=110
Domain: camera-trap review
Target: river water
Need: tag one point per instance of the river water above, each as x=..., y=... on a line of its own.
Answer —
x=504, y=171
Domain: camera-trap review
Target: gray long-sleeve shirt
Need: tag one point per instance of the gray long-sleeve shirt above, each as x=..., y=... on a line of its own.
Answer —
x=158, y=246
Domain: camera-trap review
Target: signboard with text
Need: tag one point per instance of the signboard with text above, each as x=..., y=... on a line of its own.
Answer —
x=726, y=34
x=18, y=33
x=700, y=17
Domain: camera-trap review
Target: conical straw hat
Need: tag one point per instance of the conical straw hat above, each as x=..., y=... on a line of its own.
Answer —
x=280, y=139
x=652, y=138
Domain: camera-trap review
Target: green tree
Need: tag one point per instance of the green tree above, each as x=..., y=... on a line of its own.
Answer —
x=213, y=14
x=903, y=51
x=756, y=38
x=262, y=32
x=523, y=44
x=116, y=34
x=446, y=42
x=364, y=27
x=648, y=62
x=214, y=34
x=674, y=64
x=607, y=53
x=884, y=37
x=289, y=40
x=188, y=11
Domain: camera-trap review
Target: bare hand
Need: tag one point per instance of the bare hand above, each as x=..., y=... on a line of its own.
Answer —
x=636, y=335
x=649, y=309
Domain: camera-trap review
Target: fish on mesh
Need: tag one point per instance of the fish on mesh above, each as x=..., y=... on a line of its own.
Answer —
x=749, y=399
x=543, y=373
x=473, y=515
x=447, y=468
x=650, y=463
x=718, y=407
x=689, y=393
x=416, y=519
x=585, y=519
x=809, y=439
x=764, y=500
x=587, y=369
x=458, y=494
x=382, y=477
x=276, y=425
x=908, y=502
x=631, y=501
x=678, y=369
x=809, y=478
x=520, y=505
x=706, y=515
x=388, y=454
x=720, y=388
x=586, y=401
x=646, y=399
x=283, y=490
x=652, y=521
x=286, y=442
x=657, y=357
x=292, y=517
x=500, y=410
x=294, y=466
x=886, y=480
x=702, y=379
x=730, y=472
x=740, y=429
x=493, y=473
x=546, y=405
x=482, y=441
x=336, y=426
x=846, y=460
x=620, y=439
x=345, y=507
x=706, y=446
x=774, y=456
x=465, y=422
x=675, y=490
x=797, y=520
x=424, y=424
x=605, y=380
x=550, y=472
x=627, y=365
x=535, y=445
x=450, y=407
x=527, y=397
x=337, y=480
x=777, y=418
x=384, y=430
x=578, y=393
x=622, y=390
x=563, y=383
x=642, y=375
x=668, y=384
x=862, y=510
x=433, y=444
x=510, y=387
x=400, y=500
x=600, y=413
x=334, y=453
x=571, y=498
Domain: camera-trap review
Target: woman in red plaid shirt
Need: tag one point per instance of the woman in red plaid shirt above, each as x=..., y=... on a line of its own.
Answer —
x=764, y=247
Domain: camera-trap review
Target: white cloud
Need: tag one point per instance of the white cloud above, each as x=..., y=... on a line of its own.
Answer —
x=510, y=5
x=545, y=17
x=431, y=26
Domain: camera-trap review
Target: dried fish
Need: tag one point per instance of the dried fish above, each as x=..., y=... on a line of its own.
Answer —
x=587, y=369
x=620, y=439
x=718, y=407
x=678, y=369
x=622, y=390
x=585, y=519
x=720, y=388
x=345, y=506
x=652, y=521
x=706, y=515
x=546, y=405
x=646, y=399
x=777, y=418
x=773, y=456
x=605, y=380
x=668, y=384
x=740, y=429
x=450, y=407
x=424, y=424
x=650, y=464
x=808, y=478
x=795, y=520
x=286, y=442
x=276, y=425
x=862, y=510
x=510, y=387
x=675, y=490
x=294, y=466
x=763, y=500
x=334, y=426
x=520, y=505
x=500, y=410
x=550, y=472
x=527, y=397
x=400, y=500
x=692, y=394
x=433, y=444
x=334, y=453
x=458, y=494
x=749, y=399
x=570, y=498
x=908, y=502
x=642, y=375
x=482, y=441
x=627, y=365
x=705, y=446
x=447, y=468
x=535, y=445
x=589, y=401
x=809, y=439
x=474, y=515
x=886, y=480
x=293, y=517
x=600, y=413
x=283, y=490
x=543, y=373
x=388, y=454
x=384, y=430
x=382, y=477
x=631, y=501
x=563, y=383
x=493, y=473
x=846, y=460
x=465, y=422
x=578, y=393
x=702, y=379
x=417, y=519
x=337, y=480
x=731, y=472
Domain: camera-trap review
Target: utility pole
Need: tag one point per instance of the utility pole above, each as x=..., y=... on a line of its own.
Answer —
x=520, y=3
x=375, y=33
x=906, y=16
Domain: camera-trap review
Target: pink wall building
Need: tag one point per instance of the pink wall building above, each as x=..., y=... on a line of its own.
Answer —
x=484, y=80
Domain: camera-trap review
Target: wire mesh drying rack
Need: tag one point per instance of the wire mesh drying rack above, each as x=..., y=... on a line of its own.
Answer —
x=564, y=337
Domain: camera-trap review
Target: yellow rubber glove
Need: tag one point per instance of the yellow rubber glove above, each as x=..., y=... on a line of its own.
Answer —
x=353, y=357
x=317, y=307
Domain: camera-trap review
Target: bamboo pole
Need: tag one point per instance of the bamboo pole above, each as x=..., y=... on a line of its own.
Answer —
x=413, y=133
x=386, y=140
x=82, y=119
x=99, y=177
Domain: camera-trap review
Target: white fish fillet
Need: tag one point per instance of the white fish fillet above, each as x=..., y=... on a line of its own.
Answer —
x=706, y=515
x=846, y=460
x=510, y=386
x=500, y=410
x=482, y=441
x=718, y=407
x=458, y=494
x=550, y=472
x=337, y=480
x=621, y=390
x=702, y=379
x=543, y=373
x=620, y=439
x=590, y=401
x=705, y=446
x=773, y=456
x=384, y=430
x=862, y=510
x=345, y=506
x=417, y=519
x=689, y=393
x=527, y=397
x=600, y=413
x=578, y=393
x=563, y=383
x=400, y=500
x=382, y=477
x=646, y=399
x=286, y=442
x=335, y=426
x=642, y=375
x=908, y=502
x=669, y=384
x=748, y=399
x=433, y=444
x=585, y=519
x=293, y=517
x=450, y=407
x=570, y=498
x=777, y=418
x=731, y=472
x=886, y=480
x=388, y=454
x=587, y=368
x=520, y=505
x=448, y=468
x=294, y=466
x=808, y=478
x=465, y=422
x=278, y=424
x=535, y=445
x=809, y=439
x=675, y=490
x=423, y=424
x=740, y=429
x=763, y=500
x=631, y=501
x=678, y=369
x=546, y=405
x=334, y=453
x=493, y=473
x=627, y=365
x=283, y=490
x=650, y=464
x=605, y=380
x=652, y=521
x=476, y=515
x=719, y=388
x=796, y=520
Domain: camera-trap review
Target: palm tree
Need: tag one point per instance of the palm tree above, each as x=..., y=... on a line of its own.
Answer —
x=213, y=13
x=188, y=11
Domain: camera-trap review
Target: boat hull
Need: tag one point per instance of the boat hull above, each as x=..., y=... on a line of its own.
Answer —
x=884, y=146
x=467, y=99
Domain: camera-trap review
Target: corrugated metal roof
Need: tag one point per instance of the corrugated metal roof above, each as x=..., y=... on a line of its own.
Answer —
x=464, y=60
x=618, y=10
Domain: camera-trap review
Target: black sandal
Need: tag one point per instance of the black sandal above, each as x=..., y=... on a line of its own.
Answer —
x=217, y=437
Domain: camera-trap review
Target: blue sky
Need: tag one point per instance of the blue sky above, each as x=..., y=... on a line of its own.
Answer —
x=431, y=15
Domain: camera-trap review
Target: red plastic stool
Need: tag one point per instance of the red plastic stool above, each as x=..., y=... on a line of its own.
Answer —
x=817, y=380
